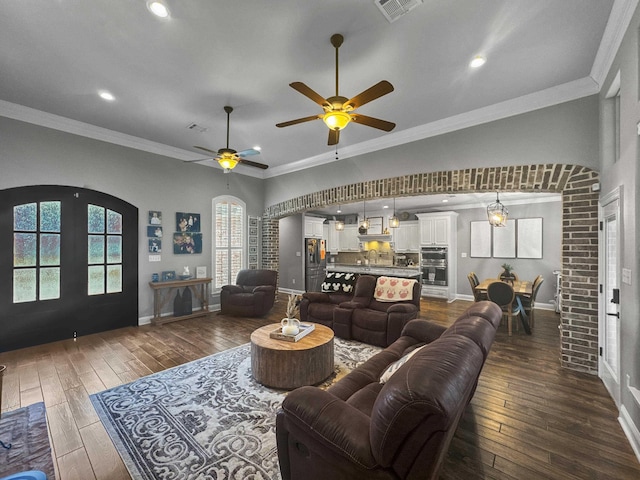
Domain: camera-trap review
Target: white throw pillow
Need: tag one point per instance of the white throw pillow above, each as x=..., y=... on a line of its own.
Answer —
x=395, y=366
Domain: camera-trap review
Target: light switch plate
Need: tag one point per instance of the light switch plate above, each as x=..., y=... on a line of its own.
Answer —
x=626, y=276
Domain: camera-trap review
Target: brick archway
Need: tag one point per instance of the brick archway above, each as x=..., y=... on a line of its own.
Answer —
x=579, y=313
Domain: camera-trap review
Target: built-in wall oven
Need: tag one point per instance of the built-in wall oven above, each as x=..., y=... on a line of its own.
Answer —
x=434, y=263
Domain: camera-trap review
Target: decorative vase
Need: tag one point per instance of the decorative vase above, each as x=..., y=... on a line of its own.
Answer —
x=290, y=326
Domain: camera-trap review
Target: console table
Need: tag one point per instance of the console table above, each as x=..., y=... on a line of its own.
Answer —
x=162, y=293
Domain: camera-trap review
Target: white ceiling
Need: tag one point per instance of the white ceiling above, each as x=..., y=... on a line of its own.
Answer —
x=55, y=55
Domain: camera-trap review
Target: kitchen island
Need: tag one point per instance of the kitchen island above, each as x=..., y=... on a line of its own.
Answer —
x=377, y=270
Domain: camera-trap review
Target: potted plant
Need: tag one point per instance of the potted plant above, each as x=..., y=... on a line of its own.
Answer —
x=507, y=275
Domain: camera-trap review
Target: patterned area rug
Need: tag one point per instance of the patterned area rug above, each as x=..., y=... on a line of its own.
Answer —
x=206, y=419
x=26, y=430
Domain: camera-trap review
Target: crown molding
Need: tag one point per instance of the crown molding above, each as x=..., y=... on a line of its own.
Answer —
x=619, y=19
x=68, y=125
x=545, y=98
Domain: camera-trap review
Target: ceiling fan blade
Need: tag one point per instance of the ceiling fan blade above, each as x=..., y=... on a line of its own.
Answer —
x=373, y=122
x=309, y=93
x=248, y=152
x=377, y=91
x=250, y=163
x=334, y=137
x=206, y=149
x=198, y=160
x=298, y=120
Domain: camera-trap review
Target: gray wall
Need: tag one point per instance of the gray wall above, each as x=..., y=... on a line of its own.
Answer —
x=566, y=133
x=625, y=172
x=291, y=266
x=33, y=155
x=527, y=269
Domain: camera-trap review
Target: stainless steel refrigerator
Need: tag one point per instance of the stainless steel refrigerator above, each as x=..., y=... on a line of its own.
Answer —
x=315, y=264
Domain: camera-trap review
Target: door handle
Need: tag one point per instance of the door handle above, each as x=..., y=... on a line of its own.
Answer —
x=617, y=314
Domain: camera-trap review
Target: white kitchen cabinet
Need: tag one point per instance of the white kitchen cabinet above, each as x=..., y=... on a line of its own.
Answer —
x=348, y=239
x=313, y=227
x=333, y=238
x=437, y=228
x=406, y=237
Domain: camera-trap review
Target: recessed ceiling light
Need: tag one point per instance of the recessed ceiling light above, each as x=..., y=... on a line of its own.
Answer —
x=477, y=61
x=385, y=206
x=158, y=8
x=257, y=147
x=108, y=96
x=445, y=200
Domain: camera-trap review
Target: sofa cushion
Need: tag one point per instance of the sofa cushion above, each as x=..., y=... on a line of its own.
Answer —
x=395, y=366
x=339, y=282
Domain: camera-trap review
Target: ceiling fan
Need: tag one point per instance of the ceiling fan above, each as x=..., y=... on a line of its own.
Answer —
x=228, y=158
x=338, y=110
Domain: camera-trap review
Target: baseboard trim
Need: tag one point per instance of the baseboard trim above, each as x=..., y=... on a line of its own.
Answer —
x=630, y=430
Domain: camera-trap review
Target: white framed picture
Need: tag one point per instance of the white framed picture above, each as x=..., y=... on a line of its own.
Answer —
x=201, y=272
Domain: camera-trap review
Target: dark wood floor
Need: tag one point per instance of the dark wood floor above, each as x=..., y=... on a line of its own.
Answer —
x=529, y=418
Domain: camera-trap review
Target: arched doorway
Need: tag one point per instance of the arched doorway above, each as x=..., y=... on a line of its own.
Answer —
x=579, y=289
x=68, y=264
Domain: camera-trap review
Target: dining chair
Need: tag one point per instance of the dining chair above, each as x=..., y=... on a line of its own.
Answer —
x=474, y=282
x=528, y=302
x=502, y=294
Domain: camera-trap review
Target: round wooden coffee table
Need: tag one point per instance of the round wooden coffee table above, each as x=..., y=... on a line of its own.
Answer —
x=288, y=365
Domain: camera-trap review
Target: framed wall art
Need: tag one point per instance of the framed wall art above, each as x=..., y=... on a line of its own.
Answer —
x=155, y=217
x=481, y=239
x=187, y=222
x=187, y=243
x=154, y=232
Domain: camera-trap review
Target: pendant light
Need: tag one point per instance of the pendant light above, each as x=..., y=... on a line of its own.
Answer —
x=497, y=213
x=394, y=221
x=339, y=223
x=365, y=220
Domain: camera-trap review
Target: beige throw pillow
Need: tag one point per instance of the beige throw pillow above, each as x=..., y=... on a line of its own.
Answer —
x=395, y=366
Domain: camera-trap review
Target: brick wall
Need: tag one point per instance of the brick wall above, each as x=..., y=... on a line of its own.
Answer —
x=579, y=314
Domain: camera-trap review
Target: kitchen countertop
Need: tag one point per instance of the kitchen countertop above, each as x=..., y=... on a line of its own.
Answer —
x=407, y=272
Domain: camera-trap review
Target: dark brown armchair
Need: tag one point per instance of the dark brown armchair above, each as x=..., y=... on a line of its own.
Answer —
x=253, y=294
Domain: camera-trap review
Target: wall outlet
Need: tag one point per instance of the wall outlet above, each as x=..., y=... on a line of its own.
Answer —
x=463, y=254
x=293, y=280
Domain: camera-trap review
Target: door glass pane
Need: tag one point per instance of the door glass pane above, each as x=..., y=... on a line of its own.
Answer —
x=611, y=282
x=114, y=222
x=49, y=249
x=25, y=217
x=114, y=249
x=24, y=249
x=49, y=283
x=95, y=219
x=49, y=216
x=96, y=280
x=114, y=278
x=24, y=285
x=96, y=249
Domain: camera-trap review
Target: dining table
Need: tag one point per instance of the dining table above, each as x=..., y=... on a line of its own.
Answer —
x=522, y=289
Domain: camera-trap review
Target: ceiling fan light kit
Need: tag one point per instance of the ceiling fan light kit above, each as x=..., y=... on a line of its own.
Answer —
x=337, y=109
x=228, y=158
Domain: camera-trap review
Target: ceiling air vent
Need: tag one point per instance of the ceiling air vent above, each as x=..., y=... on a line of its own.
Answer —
x=394, y=9
x=196, y=128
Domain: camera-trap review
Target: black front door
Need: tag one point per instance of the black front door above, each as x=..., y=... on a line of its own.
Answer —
x=68, y=264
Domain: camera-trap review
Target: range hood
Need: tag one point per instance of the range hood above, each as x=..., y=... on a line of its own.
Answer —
x=381, y=237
